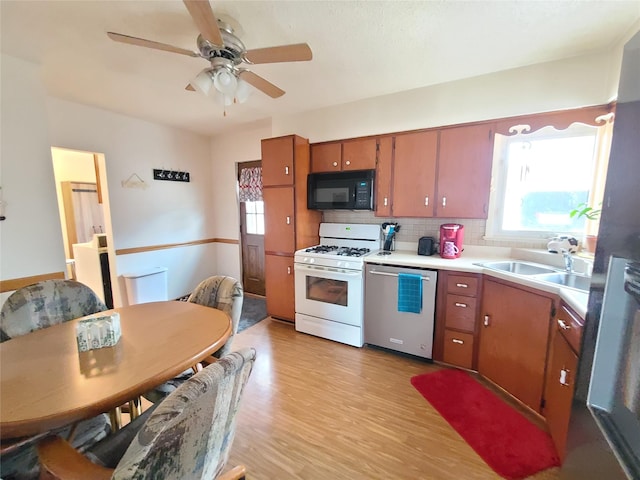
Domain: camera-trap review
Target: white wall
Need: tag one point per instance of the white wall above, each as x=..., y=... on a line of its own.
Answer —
x=30, y=237
x=164, y=213
x=570, y=83
x=226, y=151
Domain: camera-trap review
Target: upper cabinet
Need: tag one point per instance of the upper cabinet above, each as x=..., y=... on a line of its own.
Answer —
x=414, y=174
x=358, y=154
x=279, y=156
x=383, y=177
x=464, y=171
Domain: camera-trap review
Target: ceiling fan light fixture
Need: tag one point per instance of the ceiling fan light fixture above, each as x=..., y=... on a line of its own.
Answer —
x=225, y=82
x=203, y=82
x=243, y=91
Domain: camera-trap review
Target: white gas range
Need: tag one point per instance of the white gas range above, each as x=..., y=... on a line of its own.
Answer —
x=329, y=282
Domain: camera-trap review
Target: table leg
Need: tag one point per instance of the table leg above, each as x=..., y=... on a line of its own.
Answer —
x=115, y=416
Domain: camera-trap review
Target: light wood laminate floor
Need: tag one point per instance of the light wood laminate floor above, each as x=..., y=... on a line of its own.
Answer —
x=318, y=410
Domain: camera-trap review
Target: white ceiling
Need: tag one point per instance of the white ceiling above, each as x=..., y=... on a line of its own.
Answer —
x=360, y=49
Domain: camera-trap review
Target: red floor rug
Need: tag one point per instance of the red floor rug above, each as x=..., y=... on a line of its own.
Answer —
x=510, y=444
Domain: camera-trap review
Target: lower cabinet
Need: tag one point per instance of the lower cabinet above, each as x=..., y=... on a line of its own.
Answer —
x=279, y=285
x=458, y=348
x=561, y=371
x=514, y=336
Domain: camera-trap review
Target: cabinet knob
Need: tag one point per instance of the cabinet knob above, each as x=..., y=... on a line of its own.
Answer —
x=348, y=162
x=563, y=325
x=288, y=270
x=462, y=285
x=462, y=305
x=288, y=220
x=335, y=164
x=564, y=377
x=426, y=201
x=459, y=342
x=444, y=201
x=486, y=321
x=286, y=170
x=385, y=201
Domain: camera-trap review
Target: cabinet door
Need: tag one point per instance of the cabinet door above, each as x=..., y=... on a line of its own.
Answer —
x=464, y=171
x=383, y=177
x=277, y=161
x=414, y=170
x=279, y=286
x=513, y=340
x=326, y=157
x=359, y=154
x=559, y=391
x=279, y=227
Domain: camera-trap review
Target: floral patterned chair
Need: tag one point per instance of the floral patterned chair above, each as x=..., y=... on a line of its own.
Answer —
x=31, y=308
x=221, y=292
x=187, y=436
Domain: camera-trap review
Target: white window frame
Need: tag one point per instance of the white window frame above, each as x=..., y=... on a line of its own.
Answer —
x=494, y=230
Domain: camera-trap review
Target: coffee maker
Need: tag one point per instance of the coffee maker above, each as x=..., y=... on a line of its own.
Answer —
x=451, y=237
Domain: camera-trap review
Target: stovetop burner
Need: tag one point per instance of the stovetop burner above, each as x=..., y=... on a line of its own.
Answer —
x=342, y=251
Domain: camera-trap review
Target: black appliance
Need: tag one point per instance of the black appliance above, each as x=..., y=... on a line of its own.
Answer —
x=351, y=190
x=427, y=246
x=604, y=429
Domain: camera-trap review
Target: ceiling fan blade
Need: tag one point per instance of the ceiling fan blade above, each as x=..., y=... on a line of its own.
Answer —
x=190, y=88
x=299, y=52
x=261, y=84
x=141, y=42
x=205, y=20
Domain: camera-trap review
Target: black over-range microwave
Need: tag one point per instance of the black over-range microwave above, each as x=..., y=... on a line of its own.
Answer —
x=351, y=190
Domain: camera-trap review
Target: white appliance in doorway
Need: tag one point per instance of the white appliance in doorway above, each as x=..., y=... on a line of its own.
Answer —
x=329, y=282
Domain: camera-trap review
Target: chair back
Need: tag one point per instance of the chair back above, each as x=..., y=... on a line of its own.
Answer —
x=226, y=294
x=190, y=433
x=44, y=304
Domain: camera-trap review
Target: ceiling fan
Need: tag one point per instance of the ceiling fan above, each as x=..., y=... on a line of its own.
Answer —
x=218, y=44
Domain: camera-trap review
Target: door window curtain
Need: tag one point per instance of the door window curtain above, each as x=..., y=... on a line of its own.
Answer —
x=251, y=184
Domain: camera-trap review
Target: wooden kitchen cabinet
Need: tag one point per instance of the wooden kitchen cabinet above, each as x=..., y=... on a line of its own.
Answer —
x=465, y=155
x=279, y=285
x=278, y=167
x=289, y=225
x=561, y=372
x=414, y=174
x=456, y=315
x=357, y=154
x=383, y=177
x=514, y=335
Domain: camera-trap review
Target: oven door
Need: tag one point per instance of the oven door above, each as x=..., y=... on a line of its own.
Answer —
x=329, y=293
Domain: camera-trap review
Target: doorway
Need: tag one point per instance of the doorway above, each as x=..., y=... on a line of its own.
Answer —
x=251, y=226
x=84, y=219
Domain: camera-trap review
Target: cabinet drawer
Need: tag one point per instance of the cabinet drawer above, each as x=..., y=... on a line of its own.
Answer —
x=570, y=325
x=461, y=285
x=458, y=349
x=461, y=312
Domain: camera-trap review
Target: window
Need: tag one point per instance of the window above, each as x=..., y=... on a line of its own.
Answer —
x=538, y=178
x=254, y=217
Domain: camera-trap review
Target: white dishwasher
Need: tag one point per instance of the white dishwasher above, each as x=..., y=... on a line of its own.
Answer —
x=384, y=325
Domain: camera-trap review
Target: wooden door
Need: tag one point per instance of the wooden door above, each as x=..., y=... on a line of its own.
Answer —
x=414, y=169
x=280, y=287
x=359, y=154
x=326, y=157
x=277, y=161
x=513, y=340
x=252, y=254
x=383, y=177
x=464, y=171
x=279, y=226
x=559, y=391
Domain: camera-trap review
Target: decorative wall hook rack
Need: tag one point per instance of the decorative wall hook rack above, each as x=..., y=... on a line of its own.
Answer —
x=171, y=175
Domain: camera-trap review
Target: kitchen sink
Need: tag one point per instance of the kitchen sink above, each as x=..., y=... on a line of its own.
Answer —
x=570, y=280
x=519, y=268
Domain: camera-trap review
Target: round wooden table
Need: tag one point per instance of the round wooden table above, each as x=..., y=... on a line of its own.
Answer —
x=45, y=383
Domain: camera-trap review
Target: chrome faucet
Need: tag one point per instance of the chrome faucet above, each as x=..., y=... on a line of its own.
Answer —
x=568, y=260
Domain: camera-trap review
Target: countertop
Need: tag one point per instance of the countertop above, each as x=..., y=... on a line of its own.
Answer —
x=407, y=257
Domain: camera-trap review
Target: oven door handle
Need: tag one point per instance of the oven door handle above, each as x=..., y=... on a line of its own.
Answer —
x=317, y=268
